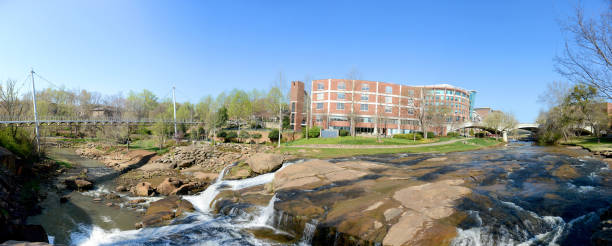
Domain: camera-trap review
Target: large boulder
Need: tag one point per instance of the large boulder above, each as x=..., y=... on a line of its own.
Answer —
x=168, y=185
x=142, y=189
x=165, y=209
x=83, y=184
x=265, y=162
x=314, y=173
x=78, y=183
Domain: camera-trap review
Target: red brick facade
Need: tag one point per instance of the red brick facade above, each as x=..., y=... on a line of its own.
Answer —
x=378, y=106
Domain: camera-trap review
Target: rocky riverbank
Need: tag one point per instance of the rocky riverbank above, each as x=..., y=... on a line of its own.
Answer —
x=183, y=170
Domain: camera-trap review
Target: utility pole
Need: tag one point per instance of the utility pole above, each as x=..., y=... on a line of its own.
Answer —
x=35, y=113
x=174, y=106
x=280, y=119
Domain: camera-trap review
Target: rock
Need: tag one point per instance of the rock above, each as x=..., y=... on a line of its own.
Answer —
x=97, y=199
x=142, y=189
x=165, y=209
x=23, y=243
x=83, y=184
x=186, y=163
x=121, y=188
x=64, y=199
x=136, y=201
x=138, y=225
x=110, y=204
x=427, y=202
x=314, y=173
x=392, y=213
x=111, y=196
x=27, y=233
x=377, y=225
x=265, y=162
x=167, y=186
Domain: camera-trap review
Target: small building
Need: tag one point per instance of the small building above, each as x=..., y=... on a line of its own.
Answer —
x=102, y=111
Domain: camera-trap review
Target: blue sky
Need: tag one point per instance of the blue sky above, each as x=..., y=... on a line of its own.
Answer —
x=502, y=49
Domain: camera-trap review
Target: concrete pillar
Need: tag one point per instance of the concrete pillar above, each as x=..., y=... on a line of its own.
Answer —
x=505, y=136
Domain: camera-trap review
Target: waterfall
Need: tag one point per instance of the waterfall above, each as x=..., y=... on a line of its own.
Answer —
x=203, y=201
x=309, y=230
x=266, y=215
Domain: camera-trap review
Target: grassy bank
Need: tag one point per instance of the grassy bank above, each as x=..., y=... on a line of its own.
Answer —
x=471, y=144
x=591, y=143
x=366, y=141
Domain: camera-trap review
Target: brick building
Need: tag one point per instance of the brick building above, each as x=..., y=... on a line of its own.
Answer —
x=375, y=107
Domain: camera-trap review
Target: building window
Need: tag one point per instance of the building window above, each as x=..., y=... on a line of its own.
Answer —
x=364, y=107
x=341, y=96
x=340, y=106
x=365, y=87
x=389, y=89
x=364, y=97
x=319, y=120
x=320, y=86
x=338, y=119
x=319, y=105
x=319, y=96
x=410, y=111
x=388, y=100
x=341, y=86
x=388, y=109
x=293, y=107
x=411, y=93
x=365, y=119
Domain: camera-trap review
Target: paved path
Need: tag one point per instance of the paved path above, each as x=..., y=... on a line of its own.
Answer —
x=356, y=146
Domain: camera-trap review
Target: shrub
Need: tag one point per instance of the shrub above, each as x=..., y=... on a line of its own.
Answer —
x=244, y=134
x=256, y=135
x=431, y=135
x=480, y=135
x=453, y=134
x=343, y=133
x=231, y=135
x=313, y=132
x=273, y=135
x=222, y=134
x=409, y=136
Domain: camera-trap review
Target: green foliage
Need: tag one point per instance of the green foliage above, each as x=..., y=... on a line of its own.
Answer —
x=221, y=117
x=452, y=134
x=244, y=134
x=409, y=136
x=286, y=124
x=256, y=135
x=231, y=135
x=480, y=134
x=343, y=133
x=222, y=134
x=471, y=132
x=273, y=135
x=313, y=132
x=21, y=145
x=143, y=131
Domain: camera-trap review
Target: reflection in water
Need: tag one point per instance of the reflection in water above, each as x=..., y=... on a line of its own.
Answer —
x=522, y=194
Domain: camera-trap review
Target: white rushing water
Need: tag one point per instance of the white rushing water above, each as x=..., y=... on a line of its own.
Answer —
x=200, y=227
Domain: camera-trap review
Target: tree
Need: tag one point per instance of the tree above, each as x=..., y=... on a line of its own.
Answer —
x=160, y=129
x=239, y=108
x=424, y=116
x=500, y=122
x=587, y=108
x=353, y=75
x=10, y=103
x=587, y=58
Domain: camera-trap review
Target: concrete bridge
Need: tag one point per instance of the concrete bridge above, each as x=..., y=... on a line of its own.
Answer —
x=533, y=127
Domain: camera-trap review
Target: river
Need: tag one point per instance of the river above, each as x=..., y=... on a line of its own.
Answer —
x=552, y=195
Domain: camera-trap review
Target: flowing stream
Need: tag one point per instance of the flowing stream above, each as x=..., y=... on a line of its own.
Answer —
x=526, y=206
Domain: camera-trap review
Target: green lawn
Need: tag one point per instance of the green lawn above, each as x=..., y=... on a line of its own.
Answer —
x=366, y=141
x=471, y=144
x=150, y=145
x=591, y=143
